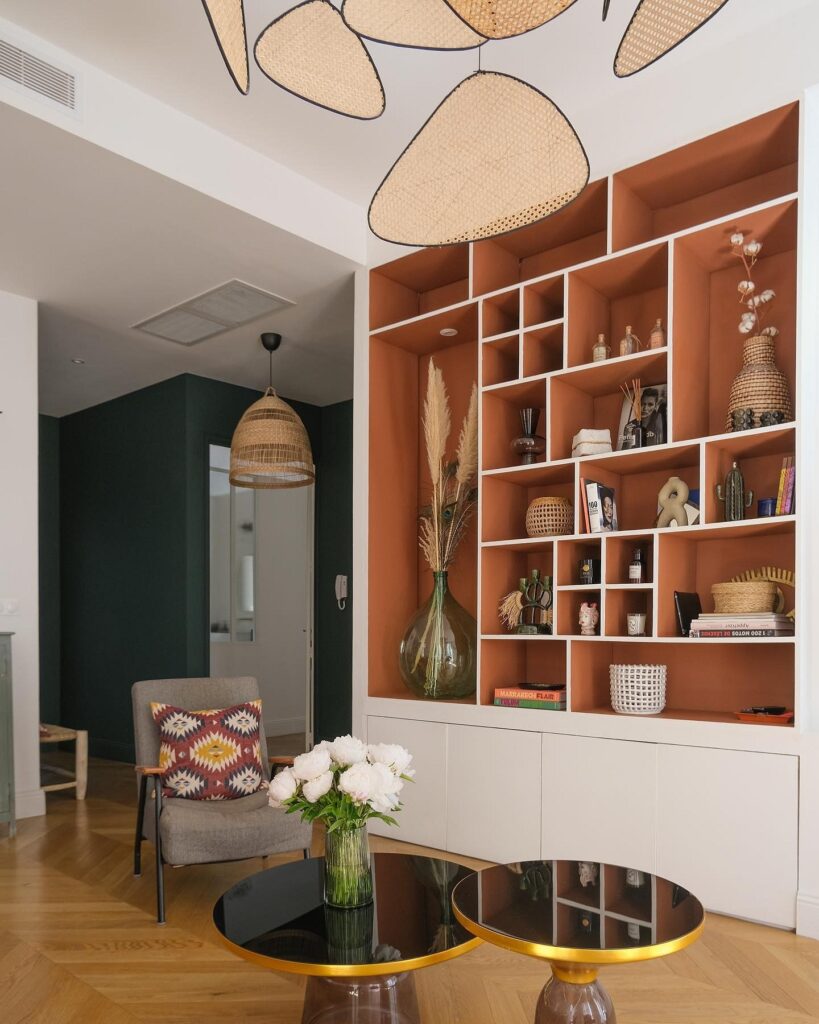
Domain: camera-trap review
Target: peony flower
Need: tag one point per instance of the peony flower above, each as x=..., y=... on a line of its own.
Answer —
x=309, y=766
x=393, y=756
x=316, y=788
x=738, y=238
x=347, y=750
x=384, y=788
x=358, y=782
x=282, y=787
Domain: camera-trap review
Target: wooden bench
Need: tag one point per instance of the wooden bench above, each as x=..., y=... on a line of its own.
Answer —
x=79, y=778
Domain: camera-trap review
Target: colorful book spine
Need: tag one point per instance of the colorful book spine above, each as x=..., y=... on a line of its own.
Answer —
x=584, y=503
x=783, y=472
x=520, y=692
x=536, y=705
x=790, y=485
x=739, y=634
x=594, y=510
x=774, y=622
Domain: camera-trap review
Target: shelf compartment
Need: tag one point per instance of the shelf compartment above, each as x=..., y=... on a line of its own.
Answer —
x=706, y=682
x=522, y=660
x=500, y=314
x=618, y=605
x=423, y=336
x=399, y=579
x=568, y=887
x=419, y=283
x=759, y=454
x=502, y=569
x=708, y=346
x=543, y=301
x=631, y=289
x=505, y=497
x=501, y=420
x=591, y=397
x=569, y=930
x=619, y=552
x=543, y=349
x=625, y=900
x=501, y=360
x=617, y=936
x=570, y=553
x=573, y=235
x=743, y=166
x=691, y=561
x=637, y=478
x=568, y=611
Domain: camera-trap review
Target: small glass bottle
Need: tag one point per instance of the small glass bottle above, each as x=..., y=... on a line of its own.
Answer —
x=601, y=350
x=637, y=567
x=657, y=337
x=630, y=344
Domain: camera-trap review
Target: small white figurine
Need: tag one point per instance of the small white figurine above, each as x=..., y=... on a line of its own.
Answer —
x=635, y=879
x=588, y=618
x=588, y=872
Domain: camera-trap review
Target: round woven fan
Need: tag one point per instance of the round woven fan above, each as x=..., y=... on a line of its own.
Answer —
x=227, y=19
x=311, y=52
x=656, y=27
x=496, y=155
x=500, y=19
x=770, y=574
x=422, y=24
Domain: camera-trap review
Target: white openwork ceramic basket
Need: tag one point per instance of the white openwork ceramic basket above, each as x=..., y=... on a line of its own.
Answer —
x=638, y=689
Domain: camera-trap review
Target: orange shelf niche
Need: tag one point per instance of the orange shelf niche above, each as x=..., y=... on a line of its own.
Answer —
x=543, y=349
x=544, y=301
x=568, y=611
x=619, y=553
x=570, y=553
x=502, y=569
x=419, y=283
x=759, y=453
x=501, y=360
x=506, y=497
x=522, y=660
x=619, y=603
x=500, y=314
x=501, y=420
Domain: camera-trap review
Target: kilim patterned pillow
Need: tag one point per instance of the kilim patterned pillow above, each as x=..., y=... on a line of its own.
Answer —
x=210, y=755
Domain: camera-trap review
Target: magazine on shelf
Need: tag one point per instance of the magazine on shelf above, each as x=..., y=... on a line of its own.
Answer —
x=601, y=508
x=652, y=419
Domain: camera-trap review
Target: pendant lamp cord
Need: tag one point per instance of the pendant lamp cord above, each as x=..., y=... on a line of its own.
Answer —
x=270, y=370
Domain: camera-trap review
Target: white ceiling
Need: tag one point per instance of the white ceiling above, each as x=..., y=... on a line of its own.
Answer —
x=113, y=243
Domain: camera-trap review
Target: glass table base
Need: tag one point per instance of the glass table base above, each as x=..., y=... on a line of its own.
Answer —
x=385, y=999
x=573, y=995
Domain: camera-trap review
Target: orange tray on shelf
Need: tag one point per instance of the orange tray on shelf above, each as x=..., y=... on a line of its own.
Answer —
x=786, y=718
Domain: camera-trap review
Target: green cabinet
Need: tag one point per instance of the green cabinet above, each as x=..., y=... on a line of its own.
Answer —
x=6, y=735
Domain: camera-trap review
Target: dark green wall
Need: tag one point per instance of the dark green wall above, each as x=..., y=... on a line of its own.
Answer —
x=334, y=556
x=134, y=562
x=49, y=564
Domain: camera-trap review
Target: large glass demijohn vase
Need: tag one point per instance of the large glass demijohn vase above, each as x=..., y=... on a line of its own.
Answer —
x=437, y=656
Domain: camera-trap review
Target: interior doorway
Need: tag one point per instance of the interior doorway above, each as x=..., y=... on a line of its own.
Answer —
x=261, y=597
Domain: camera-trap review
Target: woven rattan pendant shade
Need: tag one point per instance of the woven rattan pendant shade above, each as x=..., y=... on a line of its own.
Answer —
x=424, y=24
x=496, y=155
x=270, y=447
x=311, y=52
x=499, y=19
x=227, y=19
x=657, y=27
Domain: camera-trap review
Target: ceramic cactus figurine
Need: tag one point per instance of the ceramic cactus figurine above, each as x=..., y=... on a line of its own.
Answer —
x=733, y=495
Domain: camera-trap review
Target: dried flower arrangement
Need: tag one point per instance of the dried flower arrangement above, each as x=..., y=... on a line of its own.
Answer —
x=757, y=303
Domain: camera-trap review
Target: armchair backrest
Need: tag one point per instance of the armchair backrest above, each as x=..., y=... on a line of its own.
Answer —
x=190, y=695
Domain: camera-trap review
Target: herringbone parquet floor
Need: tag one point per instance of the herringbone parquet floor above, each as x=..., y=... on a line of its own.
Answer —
x=78, y=945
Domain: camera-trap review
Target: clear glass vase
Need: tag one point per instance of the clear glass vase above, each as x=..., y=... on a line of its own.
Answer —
x=348, y=880
x=437, y=655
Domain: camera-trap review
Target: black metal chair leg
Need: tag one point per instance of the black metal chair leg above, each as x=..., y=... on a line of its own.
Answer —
x=306, y=853
x=143, y=792
x=160, y=875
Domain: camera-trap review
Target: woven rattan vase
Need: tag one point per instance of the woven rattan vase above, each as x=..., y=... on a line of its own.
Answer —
x=760, y=385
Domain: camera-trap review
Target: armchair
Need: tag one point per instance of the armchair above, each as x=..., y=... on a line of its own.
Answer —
x=202, y=831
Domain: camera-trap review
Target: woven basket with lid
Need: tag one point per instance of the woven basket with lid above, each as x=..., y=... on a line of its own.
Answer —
x=549, y=517
x=760, y=385
x=745, y=597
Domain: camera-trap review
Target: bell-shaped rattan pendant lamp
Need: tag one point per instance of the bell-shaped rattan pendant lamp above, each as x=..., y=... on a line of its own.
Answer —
x=270, y=447
x=227, y=19
x=657, y=27
x=500, y=19
x=420, y=24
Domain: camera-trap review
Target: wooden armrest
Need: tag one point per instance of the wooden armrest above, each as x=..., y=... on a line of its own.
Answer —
x=283, y=760
x=147, y=770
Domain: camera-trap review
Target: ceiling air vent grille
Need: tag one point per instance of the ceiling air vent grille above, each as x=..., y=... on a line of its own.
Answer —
x=32, y=73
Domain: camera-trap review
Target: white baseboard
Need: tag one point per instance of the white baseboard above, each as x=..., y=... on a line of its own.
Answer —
x=807, y=915
x=283, y=726
x=29, y=805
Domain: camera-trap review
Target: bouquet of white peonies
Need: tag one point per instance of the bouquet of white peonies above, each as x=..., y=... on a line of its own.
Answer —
x=343, y=783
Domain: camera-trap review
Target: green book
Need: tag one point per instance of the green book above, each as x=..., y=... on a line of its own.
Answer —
x=518, y=702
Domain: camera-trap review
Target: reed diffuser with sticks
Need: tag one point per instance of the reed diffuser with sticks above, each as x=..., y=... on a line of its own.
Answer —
x=633, y=433
x=437, y=657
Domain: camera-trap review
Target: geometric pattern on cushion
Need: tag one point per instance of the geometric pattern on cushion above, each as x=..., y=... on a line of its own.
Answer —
x=210, y=755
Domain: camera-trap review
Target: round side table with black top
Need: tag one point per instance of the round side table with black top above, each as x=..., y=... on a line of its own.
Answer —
x=359, y=962
x=578, y=916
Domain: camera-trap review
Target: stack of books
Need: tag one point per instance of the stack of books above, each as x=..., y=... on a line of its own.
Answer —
x=787, y=483
x=745, y=626
x=552, y=698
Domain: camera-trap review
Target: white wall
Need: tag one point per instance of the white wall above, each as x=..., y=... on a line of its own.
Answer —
x=19, y=536
x=278, y=657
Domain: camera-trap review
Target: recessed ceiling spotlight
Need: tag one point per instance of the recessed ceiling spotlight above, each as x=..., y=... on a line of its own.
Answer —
x=449, y=332
x=78, y=362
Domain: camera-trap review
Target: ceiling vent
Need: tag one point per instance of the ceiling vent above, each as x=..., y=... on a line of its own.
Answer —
x=219, y=310
x=32, y=74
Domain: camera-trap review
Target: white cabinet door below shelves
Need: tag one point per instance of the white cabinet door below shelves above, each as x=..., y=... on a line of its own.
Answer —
x=727, y=830
x=599, y=800
x=493, y=793
x=422, y=818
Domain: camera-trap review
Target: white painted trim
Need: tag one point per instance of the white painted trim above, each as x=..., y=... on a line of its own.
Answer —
x=807, y=915
x=361, y=490
x=31, y=804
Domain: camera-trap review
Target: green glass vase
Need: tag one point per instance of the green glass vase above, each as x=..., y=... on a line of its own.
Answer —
x=437, y=656
x=348, y=880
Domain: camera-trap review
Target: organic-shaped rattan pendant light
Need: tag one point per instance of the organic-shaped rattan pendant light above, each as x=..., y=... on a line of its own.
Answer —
x=496, y=155
x=499, y=19
x=270, y=447
x=657, y=27
x=227, y=19
x=423, y=24
x=311, y=52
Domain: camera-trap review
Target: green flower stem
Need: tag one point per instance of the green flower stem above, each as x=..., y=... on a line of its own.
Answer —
x=347, y=876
